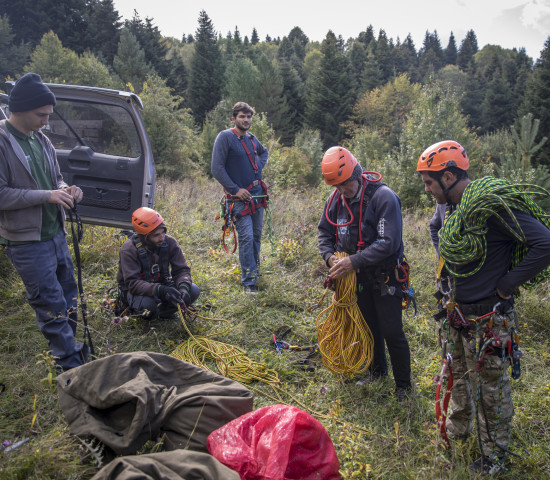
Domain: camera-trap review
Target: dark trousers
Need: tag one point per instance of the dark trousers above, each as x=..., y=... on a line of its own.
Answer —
x=383, y=314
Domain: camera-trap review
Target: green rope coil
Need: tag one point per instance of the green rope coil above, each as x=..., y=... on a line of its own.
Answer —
x=462, y=240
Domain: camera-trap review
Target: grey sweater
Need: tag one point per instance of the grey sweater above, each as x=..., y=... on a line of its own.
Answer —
x=20, y=200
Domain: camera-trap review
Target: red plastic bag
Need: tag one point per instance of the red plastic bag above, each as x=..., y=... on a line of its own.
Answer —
x=276, y=443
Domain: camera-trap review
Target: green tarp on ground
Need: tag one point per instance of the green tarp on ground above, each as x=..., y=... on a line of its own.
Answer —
x=175, y=465
x=126, y=399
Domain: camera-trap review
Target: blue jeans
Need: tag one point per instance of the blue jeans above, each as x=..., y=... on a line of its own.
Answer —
x=47, y=271
x=249, y=231
x=139, y=303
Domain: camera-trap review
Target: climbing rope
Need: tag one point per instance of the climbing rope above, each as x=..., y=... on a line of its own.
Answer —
x=462, y=240
x=345, y=340
x=233, y=363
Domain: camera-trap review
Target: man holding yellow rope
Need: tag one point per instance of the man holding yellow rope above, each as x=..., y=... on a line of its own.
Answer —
x=492, y=238
x=363, y=218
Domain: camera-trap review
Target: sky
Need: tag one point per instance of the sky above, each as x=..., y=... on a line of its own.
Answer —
x=508, y=23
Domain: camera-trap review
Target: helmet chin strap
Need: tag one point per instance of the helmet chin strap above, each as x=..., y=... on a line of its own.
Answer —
x=446, y=191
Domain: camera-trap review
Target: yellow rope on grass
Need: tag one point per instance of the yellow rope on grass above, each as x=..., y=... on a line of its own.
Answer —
x=345, y=340
x=233, y=363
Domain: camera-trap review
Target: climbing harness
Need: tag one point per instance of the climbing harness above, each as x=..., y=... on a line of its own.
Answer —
x=77, y=238
x=341, y=199
x=345, y=340
x=159, y=272
x=227, y=202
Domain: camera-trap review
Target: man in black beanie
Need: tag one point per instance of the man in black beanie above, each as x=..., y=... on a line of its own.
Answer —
x=33, y=199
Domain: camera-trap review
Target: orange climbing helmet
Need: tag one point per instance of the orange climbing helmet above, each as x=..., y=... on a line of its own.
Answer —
x=145, y=220
x=337, y=165
x=442, y=155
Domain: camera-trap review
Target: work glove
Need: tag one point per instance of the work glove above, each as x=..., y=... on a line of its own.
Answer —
x=184, y=290
x=169, y=294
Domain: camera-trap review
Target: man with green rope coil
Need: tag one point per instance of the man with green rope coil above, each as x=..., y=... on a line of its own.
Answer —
x=492, y=238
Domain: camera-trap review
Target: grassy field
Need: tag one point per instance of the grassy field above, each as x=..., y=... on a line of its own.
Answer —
x=374, y=436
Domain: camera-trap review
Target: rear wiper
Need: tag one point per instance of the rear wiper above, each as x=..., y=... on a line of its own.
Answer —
x=69, y=126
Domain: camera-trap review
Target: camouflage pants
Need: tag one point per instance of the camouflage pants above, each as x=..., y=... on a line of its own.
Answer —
x=487, y=392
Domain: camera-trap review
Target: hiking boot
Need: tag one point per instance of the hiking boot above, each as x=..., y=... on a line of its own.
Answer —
x=486, y=466
x=252, y=289
x=403, y=394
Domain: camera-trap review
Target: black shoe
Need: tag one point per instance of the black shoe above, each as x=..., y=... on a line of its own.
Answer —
x=486, y=466
x=253, y=289
x=403, y=394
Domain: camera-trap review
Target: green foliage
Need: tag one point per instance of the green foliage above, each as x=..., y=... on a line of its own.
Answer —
x=57, y=64
x=206, y=78
x=396, y=441
x=329, y=93
x=129, y=62
x=435, y=116
x=518, y=166
x=175, y=141
x=384, y=110
x=242, y=81
x=537, y=97
x=12, y=56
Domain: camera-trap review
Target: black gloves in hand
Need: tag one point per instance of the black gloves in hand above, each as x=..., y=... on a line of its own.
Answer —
x=169, y=294
x=184, y=290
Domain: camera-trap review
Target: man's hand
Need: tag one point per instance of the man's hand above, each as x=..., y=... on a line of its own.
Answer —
x=169, y=294
x=62, y=197
x=243, y=195
x=340, y=267
x=75, y=192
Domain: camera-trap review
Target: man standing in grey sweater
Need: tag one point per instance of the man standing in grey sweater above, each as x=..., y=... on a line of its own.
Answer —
x=33, y=199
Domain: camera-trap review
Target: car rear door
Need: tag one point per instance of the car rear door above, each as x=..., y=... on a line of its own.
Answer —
x=102, y=146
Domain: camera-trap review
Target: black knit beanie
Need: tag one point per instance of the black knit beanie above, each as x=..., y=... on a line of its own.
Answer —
x=29, y=93
x=357, y=172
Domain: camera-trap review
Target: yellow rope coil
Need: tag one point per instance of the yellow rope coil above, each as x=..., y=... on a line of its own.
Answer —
x=231, y=361
x=345, y=340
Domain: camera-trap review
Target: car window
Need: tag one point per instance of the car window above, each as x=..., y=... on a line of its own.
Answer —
x=106, y=129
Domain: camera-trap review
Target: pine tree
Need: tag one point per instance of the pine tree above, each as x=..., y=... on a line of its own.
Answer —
x=294, y=92
x=468, y=48
x=270, y=99
x=254, y=39
x=129, y=62
x=207, y=73
x=31, y=19
x=451, y=51
x=103, y=29
x=151, y=41
x=12, y=57
x=328, y=101
x=537, y=97
x=431, y=57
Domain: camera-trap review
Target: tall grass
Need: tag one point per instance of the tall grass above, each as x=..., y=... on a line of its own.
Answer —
x=375, y=437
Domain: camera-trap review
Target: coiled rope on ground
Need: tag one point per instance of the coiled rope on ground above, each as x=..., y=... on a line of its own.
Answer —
x=233, y=363
x=344, y=338
x=462, y=240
